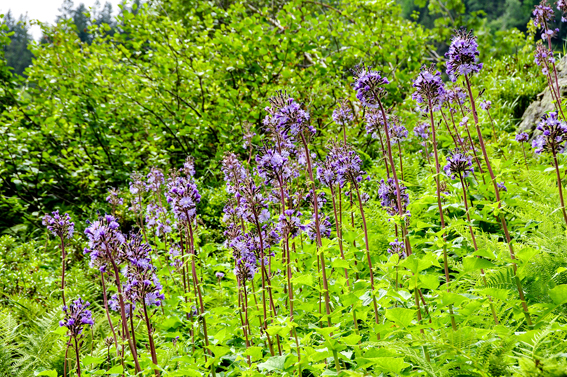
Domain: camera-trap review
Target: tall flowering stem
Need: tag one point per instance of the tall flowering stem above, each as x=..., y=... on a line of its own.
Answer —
x=142, y=284
x=76, y=317
x=331, y=174
x=63, y=228
x=552, y=140
x=460, y=165
x=370, y=89
x=522, y=138
x=183, y=197
x=543, y=14
x=430, y=93
x=462, y=59
x=106, y=247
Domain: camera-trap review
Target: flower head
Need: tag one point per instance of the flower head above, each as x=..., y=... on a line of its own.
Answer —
x=562, y=6
x=113, y=198
x=485, y=105
x=369, y=86
x=422, y=131
x=375, y=122
x=76, y=317
x=247, y=135
x=154, y=180
x=543, y=57
x=234, y=172
x=219, y=275
x=105, y=242
x=388, y=197
x=288, y=115
x=522, y=137
x=342, y=115
x=60, y=226
x=458, y=165
x=462, y=57
x=398, y=248
x=501, y=186
x=324, y=228
x=543, y=14
x=183, y=196
x=554, y=134
x=429, y=89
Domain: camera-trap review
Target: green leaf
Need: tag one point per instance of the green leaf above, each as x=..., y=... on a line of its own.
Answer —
x=402, y=317
x=304, y=279
x=559, y=294
x=273, y=363
x=48, y=373
x=340, y=263
x=429, y=281
x=475, y=263
x=87, y=360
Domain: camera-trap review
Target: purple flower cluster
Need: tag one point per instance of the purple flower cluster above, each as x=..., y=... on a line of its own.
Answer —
x=289, y=224
x=562, y=6
x=522, y=137
x=554, y=134
x=501, y=186
x=183, y=197
x=234, y=173
x=156, y=219
x=114, y=198
x=375, y=122
x=422, y=130
x=399, y=132
x=369, y=86
x=388, y=197
x=324, y=228
x=456, y=95
x=105, y=241
x=429, y=89
x=248, y=135
x=398, y=248
x=275, y=166
x=486, y=105
x=142, y=283
x=462, y=57
x=458, y=165
x=288, y=115
x=543, y=58
x=342, y=115
x=60, y=226
x=543, y=14
x=76, y=317
x=154, y=180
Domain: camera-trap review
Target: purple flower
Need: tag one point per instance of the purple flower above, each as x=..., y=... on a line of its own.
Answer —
x=137, y=185
x=142, y=282
x=154, y=180
x=219, y=275
x=129, y=306
x=485, y=105
x=183, y=197
x=522, y=137
x=562, y=6
x=342, y=115
x=324, y=228
x=399, y=132
x=105, y=243
x=331, y=171
x=248, y=135
x=289, y=224
x=429, y=89
x=234, y=172
x=388, y=197
x=175, y=257
x=458, y=165
x=374, y=122
x=275, y=167
x=245, y=267
x=113, y=198
x=456, y=95
x=543, y=14
x=397, y=248
x=501, y=186
x=60, y=226
x=369, y=86
x=288, y=115
x=76, y=317
x=422, y=131
x=543, y=58
x=352, y=166
x=462, y=57
x=554, y=134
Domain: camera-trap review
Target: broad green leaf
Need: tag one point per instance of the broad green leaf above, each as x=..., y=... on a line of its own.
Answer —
x=402, y=317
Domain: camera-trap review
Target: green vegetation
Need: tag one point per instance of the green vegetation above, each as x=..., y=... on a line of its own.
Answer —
x=122, y=103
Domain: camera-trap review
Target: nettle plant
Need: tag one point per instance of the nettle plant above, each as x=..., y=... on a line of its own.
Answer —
x=334, y=264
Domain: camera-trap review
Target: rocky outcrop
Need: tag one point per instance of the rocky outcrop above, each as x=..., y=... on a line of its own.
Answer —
x=544, y=102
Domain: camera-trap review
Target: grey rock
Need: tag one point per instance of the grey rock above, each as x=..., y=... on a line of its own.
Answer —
x=544, y=103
